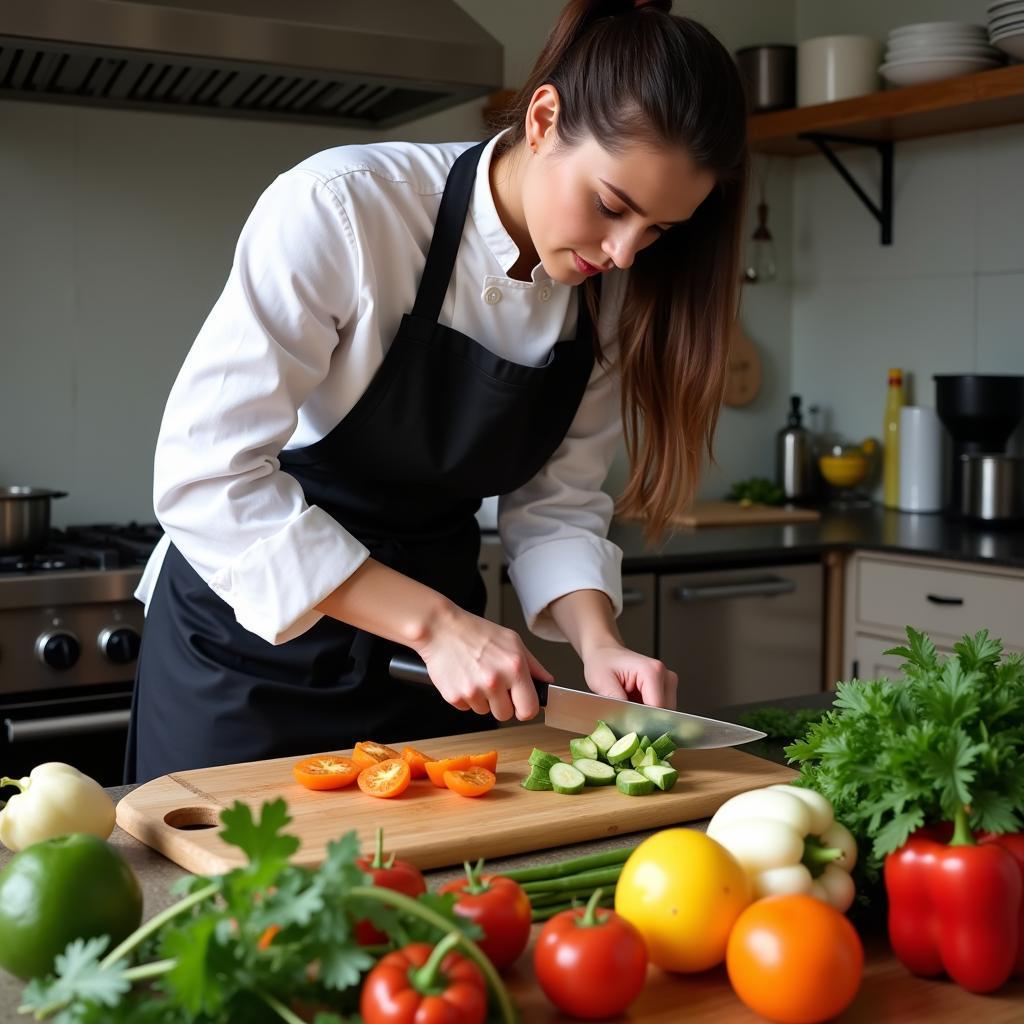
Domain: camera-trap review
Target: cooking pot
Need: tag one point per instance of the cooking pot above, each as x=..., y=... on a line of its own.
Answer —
x=25, y=518
x=769, y=76
x=993, y=487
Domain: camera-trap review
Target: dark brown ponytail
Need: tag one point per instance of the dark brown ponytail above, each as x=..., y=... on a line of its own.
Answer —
x=631, y=73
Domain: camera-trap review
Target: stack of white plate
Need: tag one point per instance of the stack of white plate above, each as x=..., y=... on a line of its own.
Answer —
x=1006, y=26
x=931, y=50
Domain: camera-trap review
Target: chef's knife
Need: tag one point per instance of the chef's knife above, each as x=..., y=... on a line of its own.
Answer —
x=578, y=711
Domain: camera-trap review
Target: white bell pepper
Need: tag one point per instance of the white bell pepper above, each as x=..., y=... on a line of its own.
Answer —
x=787, y=841
x=55, y=800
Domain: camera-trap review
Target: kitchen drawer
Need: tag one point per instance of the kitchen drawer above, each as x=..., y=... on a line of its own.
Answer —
x=939, y=600
x=740, y=635
x=636, y=623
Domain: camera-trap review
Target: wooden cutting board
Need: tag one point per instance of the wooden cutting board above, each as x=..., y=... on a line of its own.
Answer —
x=179, y=814
x=732, y=513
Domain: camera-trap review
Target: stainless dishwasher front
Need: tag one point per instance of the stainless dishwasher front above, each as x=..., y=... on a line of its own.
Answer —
x=740, y=635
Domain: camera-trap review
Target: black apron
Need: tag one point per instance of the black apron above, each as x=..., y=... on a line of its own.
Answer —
x=443, y=423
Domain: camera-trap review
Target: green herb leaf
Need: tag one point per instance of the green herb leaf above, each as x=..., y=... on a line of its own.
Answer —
x=79, y=977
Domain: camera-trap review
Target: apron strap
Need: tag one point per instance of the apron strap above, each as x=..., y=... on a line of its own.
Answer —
x=444, y=246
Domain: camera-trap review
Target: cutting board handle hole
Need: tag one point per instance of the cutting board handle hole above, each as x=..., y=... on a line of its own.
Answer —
x=192, y=819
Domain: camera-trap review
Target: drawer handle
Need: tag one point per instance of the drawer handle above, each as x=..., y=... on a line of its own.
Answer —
x=767, y=586
x=632, y=596
x=939, y=599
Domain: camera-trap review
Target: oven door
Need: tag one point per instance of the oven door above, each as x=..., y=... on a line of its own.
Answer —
x=88, y=732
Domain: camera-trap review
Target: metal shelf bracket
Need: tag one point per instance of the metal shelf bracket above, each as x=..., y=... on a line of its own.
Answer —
x=883, y=212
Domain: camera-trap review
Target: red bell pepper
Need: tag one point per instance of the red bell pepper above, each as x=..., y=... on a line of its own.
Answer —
x=420, y=984
x=956, y=904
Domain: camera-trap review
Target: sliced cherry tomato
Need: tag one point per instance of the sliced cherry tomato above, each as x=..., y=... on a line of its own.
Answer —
x=388, y=873
x=436, y=769
x=325, y=771
x=499, y=906
x=386, y=778
x=417, y=762
x=367, y=752
x=489, y=760
x=470, y=781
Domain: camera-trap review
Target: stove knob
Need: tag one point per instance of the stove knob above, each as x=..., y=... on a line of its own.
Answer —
x=58, y=649
x=120, y=645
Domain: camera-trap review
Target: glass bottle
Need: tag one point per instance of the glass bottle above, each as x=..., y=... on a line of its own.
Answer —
x=894, y=401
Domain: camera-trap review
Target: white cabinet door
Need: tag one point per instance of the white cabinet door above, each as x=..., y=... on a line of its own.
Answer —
x=741, y=635
x=636, y=623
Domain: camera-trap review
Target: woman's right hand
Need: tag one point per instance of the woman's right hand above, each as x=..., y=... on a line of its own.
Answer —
x=478, y=665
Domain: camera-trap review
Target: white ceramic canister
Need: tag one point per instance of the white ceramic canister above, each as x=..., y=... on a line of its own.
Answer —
x=920, y=459
x=830, y=68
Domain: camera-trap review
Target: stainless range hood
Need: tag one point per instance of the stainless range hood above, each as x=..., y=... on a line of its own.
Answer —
x=341, y=62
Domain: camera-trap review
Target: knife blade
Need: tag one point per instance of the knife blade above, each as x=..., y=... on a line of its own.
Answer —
x=578, y=711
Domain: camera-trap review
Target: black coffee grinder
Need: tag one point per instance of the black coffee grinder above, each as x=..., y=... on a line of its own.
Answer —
x=980, y=411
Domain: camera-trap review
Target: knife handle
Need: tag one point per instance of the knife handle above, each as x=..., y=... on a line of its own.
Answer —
x=409, y=668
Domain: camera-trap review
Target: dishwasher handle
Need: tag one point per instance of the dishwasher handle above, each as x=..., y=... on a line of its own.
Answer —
x=762, y=586
x=26, y=730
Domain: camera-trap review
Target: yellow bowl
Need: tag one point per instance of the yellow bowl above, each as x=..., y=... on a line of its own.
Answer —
x=844, y=470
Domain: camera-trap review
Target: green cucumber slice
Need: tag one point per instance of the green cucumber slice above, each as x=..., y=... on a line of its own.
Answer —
x=582, y=747
x=531, y=783
x=663, y=778
x=566, y=779
x=624, y=748
x=603, y=737
x=595, y=773
x=664, y=746
x=644, y=742
x=542, y=759
x=642, y=757
x=632, y=783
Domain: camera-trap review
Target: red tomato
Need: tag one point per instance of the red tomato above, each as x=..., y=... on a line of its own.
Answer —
x=500, y=907
x=794, y=959
x=591, y=963
x=388, y=873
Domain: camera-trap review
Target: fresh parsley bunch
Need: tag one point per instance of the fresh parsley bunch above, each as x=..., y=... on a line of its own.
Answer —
x=263, y=943
x=892, y=757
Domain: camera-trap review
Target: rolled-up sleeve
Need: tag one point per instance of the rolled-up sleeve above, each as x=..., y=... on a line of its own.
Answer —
x=219, y=491
x=554, y=529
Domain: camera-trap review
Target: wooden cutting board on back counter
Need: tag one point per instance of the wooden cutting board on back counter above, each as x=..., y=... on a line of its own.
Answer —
x=732, y=513
x=179, y=814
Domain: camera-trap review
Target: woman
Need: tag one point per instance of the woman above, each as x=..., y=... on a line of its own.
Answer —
x=407, y=329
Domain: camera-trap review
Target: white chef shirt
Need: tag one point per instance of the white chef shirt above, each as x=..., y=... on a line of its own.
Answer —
x=325, y=267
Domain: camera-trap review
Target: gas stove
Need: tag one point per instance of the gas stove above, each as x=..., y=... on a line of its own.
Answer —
x=68, y=618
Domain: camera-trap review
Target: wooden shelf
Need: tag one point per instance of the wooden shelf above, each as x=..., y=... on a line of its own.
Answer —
x=984, y=99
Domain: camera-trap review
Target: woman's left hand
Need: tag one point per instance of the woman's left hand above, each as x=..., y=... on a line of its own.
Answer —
x=612, y=670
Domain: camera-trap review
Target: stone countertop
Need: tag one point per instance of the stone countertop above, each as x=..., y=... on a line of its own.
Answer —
x=875, y=528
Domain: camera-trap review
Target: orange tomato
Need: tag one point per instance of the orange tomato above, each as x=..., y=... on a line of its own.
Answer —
x=794, y=959
x=436, y=769
x=325, y=771
x=417, y=761
x=366, y=753
x=386, y=778
x=472, y=781
x=488, y=760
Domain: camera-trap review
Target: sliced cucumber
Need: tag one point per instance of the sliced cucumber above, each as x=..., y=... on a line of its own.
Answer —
x=663, y=778
x=624, y=748
x=566, y=779
x=632, y=783
x=595, y=773
x=542, y=759
x=531, y=783
x=664, y=747
x=664, y=764
x=644, y=742
x=582, y=747
x=642, y=757
x=603, y=737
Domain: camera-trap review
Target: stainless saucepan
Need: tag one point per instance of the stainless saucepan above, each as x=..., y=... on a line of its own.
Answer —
x=25, y=518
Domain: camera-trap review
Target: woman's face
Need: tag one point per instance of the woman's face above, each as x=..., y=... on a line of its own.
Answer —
x=587, y=208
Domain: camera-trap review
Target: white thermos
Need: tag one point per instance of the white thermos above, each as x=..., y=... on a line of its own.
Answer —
x=920, y=459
